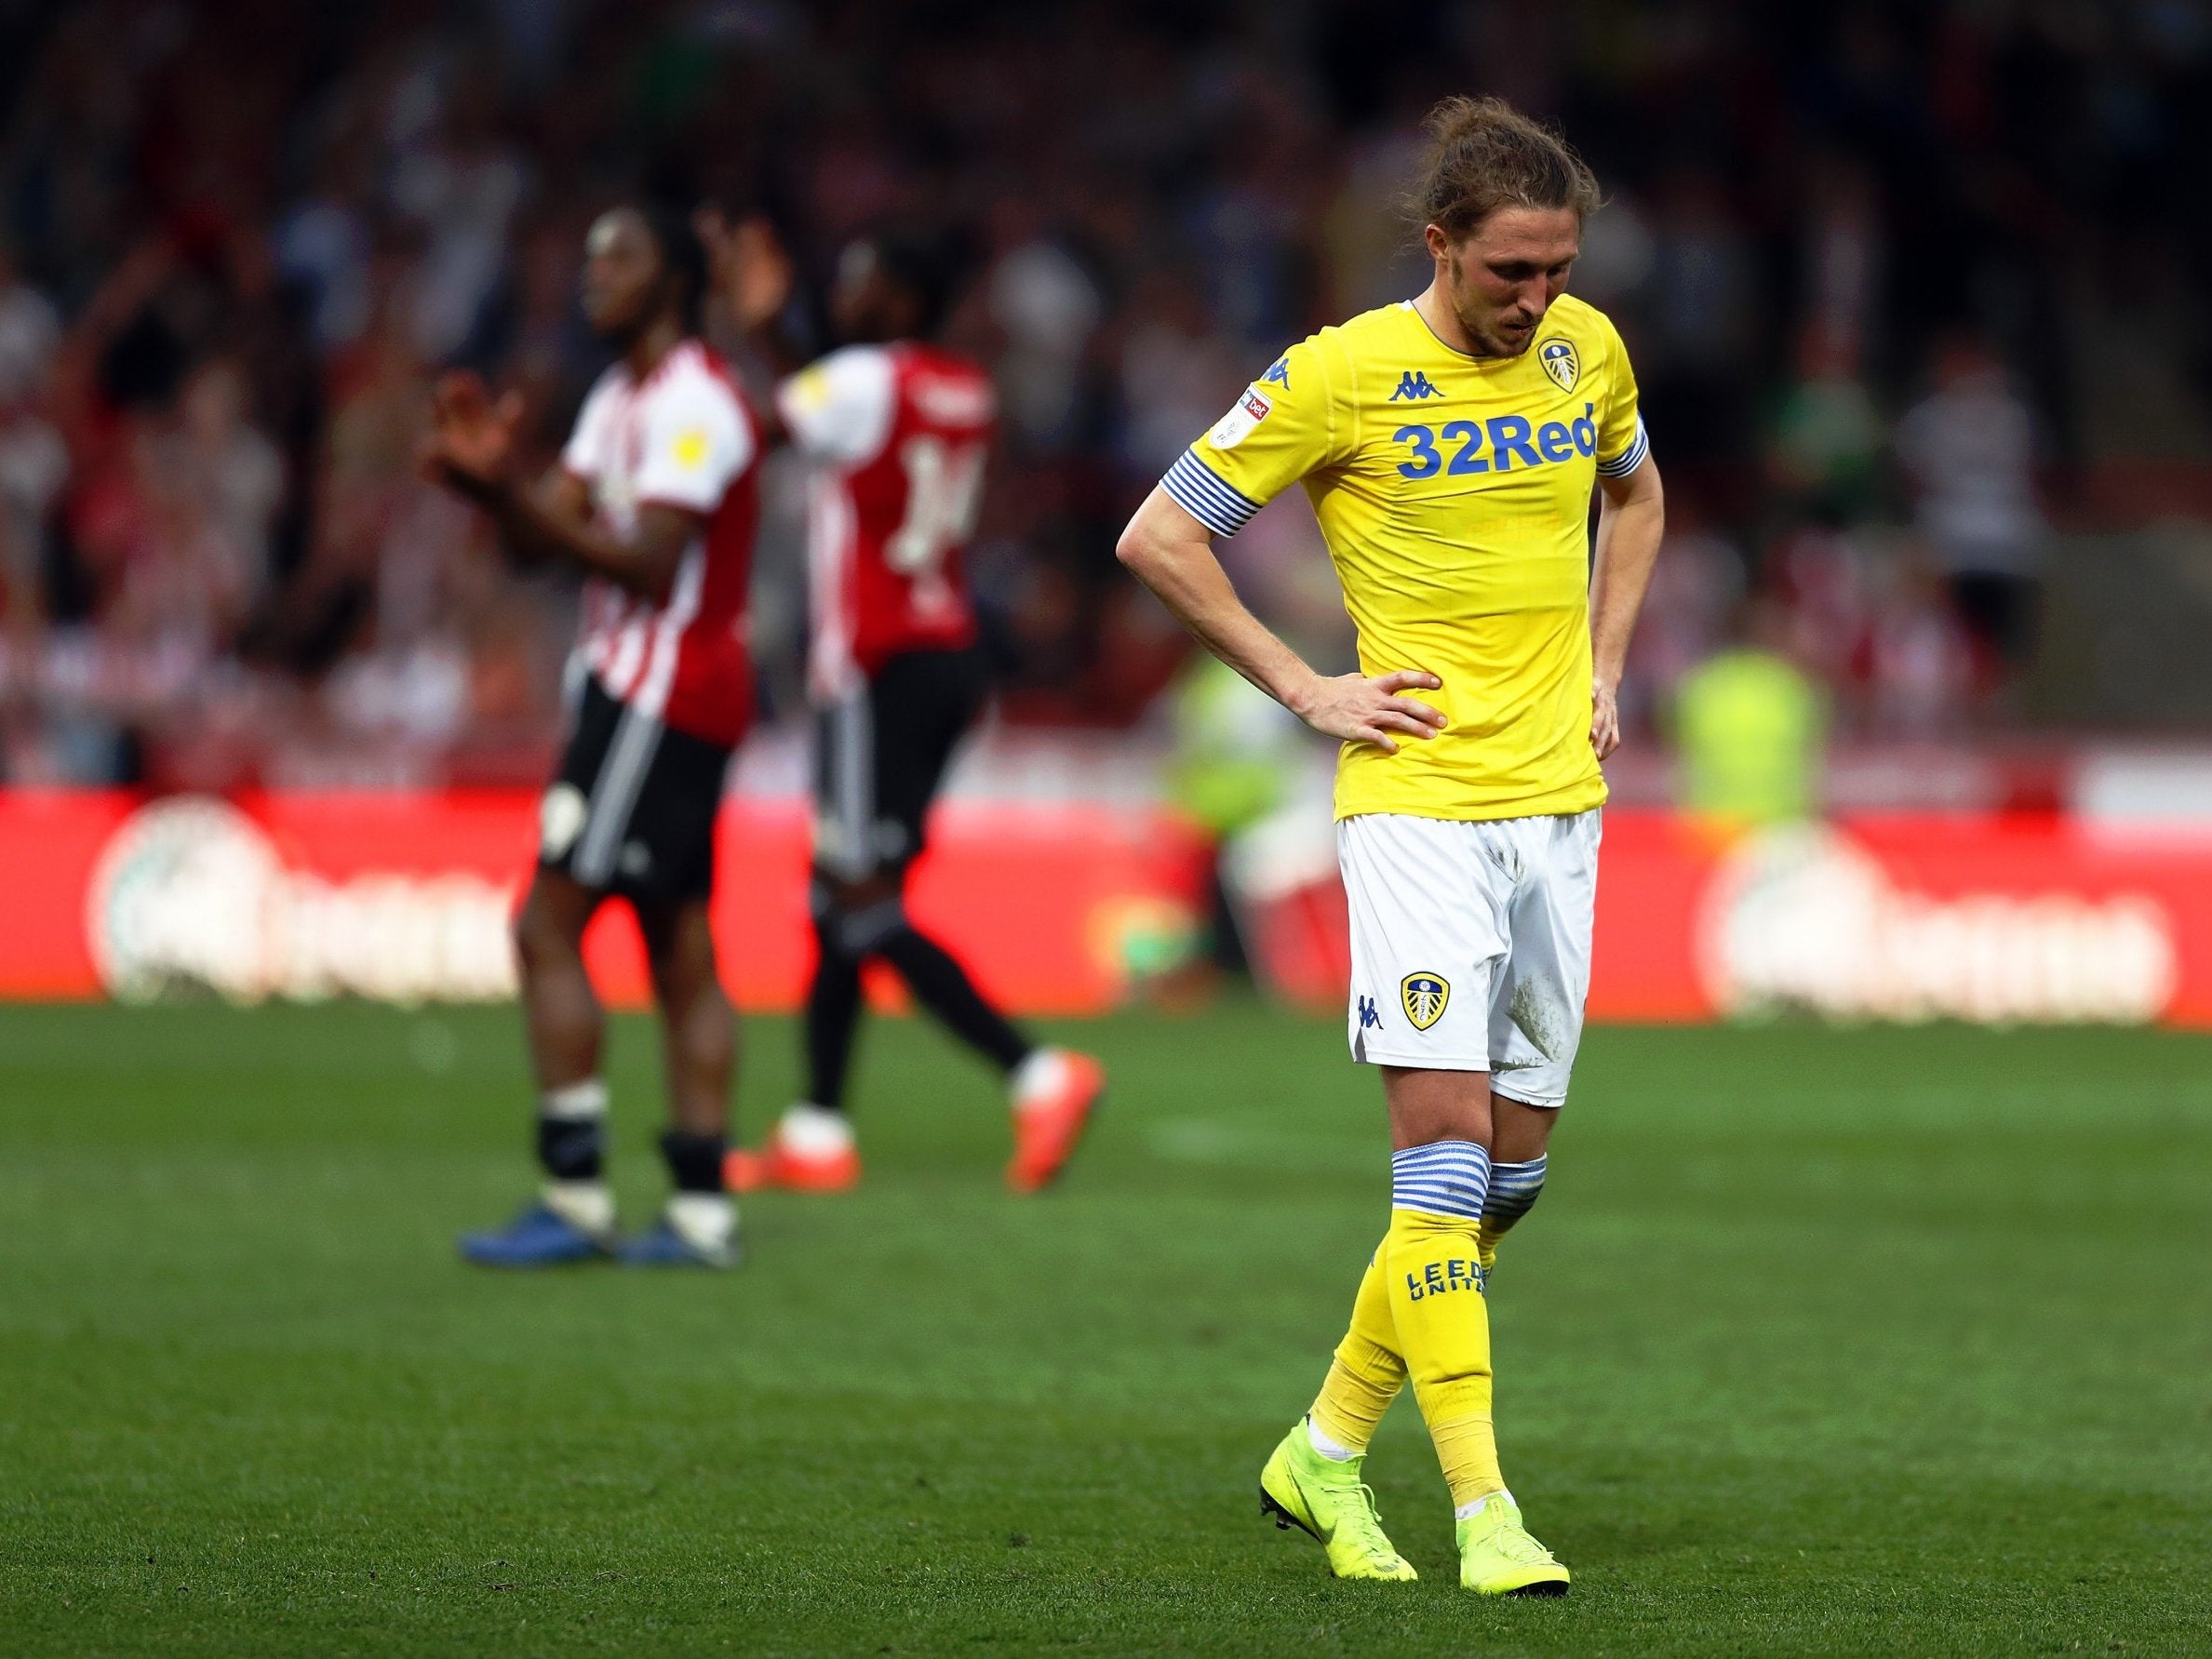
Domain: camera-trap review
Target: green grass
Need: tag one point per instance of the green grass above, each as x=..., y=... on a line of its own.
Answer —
x=1820, y=1341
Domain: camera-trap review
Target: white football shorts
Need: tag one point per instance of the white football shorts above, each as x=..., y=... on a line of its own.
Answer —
x=1470, y=944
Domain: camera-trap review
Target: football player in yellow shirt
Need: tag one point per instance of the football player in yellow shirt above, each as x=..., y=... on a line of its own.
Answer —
x=1449, y=446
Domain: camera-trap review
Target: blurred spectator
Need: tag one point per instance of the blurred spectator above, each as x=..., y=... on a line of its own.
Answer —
x=29, y=334
x=1916, y=663
x=228, y=483
x=234, y=242
x=1749, y=729
x=33, y=466
x=1826, y=446
x=1696, y=587
x=1047, y=306
x=463, y=185
x=322, y=244
x=1236, y=759
x=1177, y=375
x=1969, y=448
x=1704, y=312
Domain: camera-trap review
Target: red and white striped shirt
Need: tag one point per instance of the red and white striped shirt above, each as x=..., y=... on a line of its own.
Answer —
x=899, y=435
x=681, y=437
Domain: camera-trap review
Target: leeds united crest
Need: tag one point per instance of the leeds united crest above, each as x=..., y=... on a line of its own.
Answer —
x=1424, y=995
x=1560, y=363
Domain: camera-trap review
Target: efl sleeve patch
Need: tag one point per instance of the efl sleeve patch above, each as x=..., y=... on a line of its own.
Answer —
x=1236, y=425
x=1279, y=430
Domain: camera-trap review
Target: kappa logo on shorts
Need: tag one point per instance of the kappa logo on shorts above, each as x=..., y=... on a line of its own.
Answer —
x=1424, y=995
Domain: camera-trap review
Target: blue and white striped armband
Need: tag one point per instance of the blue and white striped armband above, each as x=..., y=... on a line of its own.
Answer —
x=1629, y=459
x=1200, y=491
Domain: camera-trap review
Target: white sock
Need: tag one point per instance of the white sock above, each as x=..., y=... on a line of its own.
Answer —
x=575, y=1102
x=1044, y=1072
x=704, y=1221
x=1466, y=1509
x=1326, y=1447
x=814, y=1131
x=587, y=1204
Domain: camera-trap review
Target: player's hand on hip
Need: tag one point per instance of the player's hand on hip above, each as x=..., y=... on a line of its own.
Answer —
x=1605, y=719
x=1368, y=708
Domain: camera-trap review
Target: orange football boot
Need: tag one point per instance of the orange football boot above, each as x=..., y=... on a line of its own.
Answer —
x=810, y=1150
x=1054, y=1093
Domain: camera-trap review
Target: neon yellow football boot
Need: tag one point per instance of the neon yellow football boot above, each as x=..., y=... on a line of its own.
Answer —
x=1499, y=1558
x=1301, y=1487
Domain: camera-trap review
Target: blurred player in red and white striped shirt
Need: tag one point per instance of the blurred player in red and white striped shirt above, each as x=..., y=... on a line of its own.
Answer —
x=898, y=430
x=655, y=501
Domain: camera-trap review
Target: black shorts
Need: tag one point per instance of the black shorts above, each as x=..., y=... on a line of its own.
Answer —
x=880, y=754
x=631, y=809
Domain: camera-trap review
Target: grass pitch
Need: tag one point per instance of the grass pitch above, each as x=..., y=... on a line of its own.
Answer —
x=1839, y=1342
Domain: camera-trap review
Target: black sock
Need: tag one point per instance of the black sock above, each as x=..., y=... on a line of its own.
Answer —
x=694, y=1161
x=833, y=1018
x=941, y=985
x=572, y=1148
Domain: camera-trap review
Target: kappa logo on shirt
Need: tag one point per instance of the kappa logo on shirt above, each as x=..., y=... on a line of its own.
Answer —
x=1280, y=374
x=1416, y=385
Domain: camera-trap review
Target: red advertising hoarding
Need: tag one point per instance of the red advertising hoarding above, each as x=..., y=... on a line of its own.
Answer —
x=1062, y=908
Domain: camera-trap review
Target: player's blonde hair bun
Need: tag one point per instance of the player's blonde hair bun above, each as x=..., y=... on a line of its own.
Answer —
x=1485, y=154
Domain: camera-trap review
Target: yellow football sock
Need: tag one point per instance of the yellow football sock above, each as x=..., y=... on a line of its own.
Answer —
x=1365, y=1375
x=1436, y=1302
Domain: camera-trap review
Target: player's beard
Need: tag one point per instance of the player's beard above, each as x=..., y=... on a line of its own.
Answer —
x=1482, y=329
x=1489, y=342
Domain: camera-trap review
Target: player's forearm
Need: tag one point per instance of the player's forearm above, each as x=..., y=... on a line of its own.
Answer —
x=537, y=531
x=1176, y=562
x=1630, y=529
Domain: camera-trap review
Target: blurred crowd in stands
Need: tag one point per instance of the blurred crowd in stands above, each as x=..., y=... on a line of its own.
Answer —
x=1894, y=277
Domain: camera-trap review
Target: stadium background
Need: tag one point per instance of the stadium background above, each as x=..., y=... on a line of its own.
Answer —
x=1917, y=297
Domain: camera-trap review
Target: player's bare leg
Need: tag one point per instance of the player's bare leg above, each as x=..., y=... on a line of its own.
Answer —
x=699, y=1049
x=574, y=1220
x=561, y=1012
x=699, y=1032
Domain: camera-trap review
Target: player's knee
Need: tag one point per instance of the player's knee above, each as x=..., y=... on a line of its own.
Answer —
x=1426, y=1106
x=1519, y=1130
x=538, y=938
x=854, y=918
x=860, y=931
x=679, y=951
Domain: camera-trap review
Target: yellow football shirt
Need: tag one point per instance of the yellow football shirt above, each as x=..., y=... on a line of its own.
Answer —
x=1453, y=493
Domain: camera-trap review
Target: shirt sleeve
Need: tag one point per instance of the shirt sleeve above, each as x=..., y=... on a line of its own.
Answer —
x=839, y=410
x=1282, y=427
x=585, y=453
x=696, y=441
x=1622, y=442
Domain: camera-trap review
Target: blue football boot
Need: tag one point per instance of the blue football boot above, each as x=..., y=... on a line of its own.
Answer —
x=664, y=1246
x=540, y=1237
